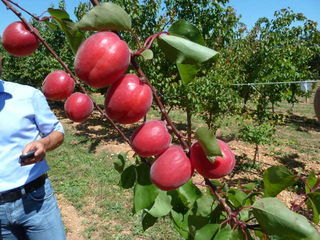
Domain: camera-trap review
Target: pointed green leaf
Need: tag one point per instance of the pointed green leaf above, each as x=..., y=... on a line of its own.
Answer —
x=188, y=72
x=147, y=220
x=162, y=205
x=145, y=192
x=73, y=35
x=276, y=179
x=106, y=16
x=187, y=30
x=181, y=50
x=58, y=13
x=128, y=177
x=147, y=54
x=276, y=219
x=120, y=162
x=189, y=193
x=207, y=232
x=208, y=142
x=314, y=198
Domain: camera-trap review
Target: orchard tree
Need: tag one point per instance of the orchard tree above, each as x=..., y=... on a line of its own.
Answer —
x=162, y=183
x=279, y=51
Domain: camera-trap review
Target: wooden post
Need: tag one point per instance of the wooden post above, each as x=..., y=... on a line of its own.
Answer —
x=316, y=103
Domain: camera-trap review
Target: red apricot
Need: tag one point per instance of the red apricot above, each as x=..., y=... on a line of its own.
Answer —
x=171, y=169
x=221, y=166
x=151, y=138
x=58, y=85
x=102, y=59
x=18, y=40
x=128, y=100
x=78, y=107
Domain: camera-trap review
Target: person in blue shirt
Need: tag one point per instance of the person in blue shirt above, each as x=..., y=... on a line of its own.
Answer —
x=28, y=207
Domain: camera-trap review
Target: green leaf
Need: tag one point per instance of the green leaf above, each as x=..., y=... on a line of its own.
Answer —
x=276, y=179
x=207, y=232
x=205, y=205
x=147, y=54
x=58, y=13
x=311, y=181
x=188, y=72
x=181, y=50
x=144, y=196
x=237, y=198
x=120, y=162
x=51, y=25
x=189, y=193
x=128, y=177
x=73, y=35
x=314, y=198
x=208, y=142
x=224, y=234
x=162, y=205
x=147, y=220
x=276, y=219
x=187, y=30
x=106, y=16
x=181, y=223
x=145, y=192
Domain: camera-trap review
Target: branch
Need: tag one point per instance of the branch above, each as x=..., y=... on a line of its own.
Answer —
x=24, y=10
x=155, y=95
x=159, y=103
x=63, y=64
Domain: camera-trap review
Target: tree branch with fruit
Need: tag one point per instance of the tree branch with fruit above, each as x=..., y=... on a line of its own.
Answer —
x=102, y=61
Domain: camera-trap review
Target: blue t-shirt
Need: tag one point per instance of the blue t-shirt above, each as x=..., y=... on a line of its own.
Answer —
x=24, y=117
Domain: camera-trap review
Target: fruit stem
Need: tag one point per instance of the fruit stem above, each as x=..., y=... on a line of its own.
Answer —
x=148, y=43
x=63, y=64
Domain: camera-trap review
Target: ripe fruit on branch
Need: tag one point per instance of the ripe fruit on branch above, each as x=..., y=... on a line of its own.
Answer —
x=102, y=59
x=221, y=166
x=18, y=40
x=128, y=100
x=58, y=85
x=151, y=138
x=78, y=107
x=171, y=169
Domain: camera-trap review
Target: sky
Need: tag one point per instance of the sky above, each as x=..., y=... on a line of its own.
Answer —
x=250, y=10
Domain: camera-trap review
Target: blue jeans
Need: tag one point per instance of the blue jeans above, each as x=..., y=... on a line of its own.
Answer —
x=35, y=216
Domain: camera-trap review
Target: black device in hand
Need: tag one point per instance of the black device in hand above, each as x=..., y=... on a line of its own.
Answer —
x=26, y=156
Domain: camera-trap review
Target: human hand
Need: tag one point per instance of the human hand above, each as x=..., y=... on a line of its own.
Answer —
x=37, y=146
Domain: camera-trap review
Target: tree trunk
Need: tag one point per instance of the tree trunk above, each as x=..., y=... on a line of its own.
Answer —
x=316, y=103
x=256, y=154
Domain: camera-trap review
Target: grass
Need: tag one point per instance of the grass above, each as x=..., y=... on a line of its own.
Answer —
x=88, y=180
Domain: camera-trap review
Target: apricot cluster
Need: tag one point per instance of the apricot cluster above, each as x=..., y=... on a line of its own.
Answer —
x=102, y=61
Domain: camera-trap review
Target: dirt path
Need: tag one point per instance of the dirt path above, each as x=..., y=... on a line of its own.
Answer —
x=73, y=222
